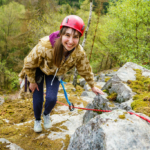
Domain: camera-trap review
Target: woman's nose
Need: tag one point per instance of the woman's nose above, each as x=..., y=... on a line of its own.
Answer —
x=71, y=40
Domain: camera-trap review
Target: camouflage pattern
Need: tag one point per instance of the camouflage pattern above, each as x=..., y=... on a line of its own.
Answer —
x=42, y=56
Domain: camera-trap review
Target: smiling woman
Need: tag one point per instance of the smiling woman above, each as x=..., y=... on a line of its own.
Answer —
x=70, y=39
x=52, y=57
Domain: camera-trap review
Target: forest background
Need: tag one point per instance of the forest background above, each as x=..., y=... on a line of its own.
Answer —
x=123, y=32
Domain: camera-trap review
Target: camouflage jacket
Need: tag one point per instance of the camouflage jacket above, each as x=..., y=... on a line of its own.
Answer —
x=42, y=56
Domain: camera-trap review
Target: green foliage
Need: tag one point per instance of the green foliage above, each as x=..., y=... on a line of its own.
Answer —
x=129, y=28
x=8, y=79
x=124, y=32
x=10, y=27
x=72, y=3
x=3, y=2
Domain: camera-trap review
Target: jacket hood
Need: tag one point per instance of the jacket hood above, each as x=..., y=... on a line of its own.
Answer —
x=53, y=37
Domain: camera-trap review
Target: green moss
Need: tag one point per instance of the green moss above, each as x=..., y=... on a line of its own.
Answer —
x=108, y=78
x=115, y=70
x=111, y=105
x=4, y=146
x=139, y=103
x=78, y=76
x=112, y=96
x=141, y=86
x=122, y=116
x=106, y=91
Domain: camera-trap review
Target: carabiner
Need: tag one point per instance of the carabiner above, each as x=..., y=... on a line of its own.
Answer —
x=71, y=107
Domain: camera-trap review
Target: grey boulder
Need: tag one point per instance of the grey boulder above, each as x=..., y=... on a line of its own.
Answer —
x=109, y=132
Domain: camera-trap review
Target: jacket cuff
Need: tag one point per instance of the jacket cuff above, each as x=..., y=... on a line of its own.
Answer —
x=91, y=84
x=31, y=79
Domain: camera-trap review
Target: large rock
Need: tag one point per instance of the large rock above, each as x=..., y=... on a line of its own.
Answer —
x=82, y=82
x=102, y=77
x=126, y=72
x=115, y=84
x=88, y=94
x=86, y=87
x=126, y=105
x=100, y=102
x=89, y=114
x=101, y=84
x=108, y=132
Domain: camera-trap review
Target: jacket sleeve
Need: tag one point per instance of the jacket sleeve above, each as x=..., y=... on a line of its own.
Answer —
x=85, y=70
x=33, y=60
x=21, y=75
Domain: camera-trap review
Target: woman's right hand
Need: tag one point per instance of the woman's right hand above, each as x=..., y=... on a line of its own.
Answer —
x=33, y=87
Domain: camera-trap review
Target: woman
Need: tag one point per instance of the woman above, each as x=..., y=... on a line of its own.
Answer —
x=52, y=57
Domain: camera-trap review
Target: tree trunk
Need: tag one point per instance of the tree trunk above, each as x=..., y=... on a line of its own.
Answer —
x=83, y=42
x=101, y=64
x=107, y=61
x=95, y=31
x=111, y=61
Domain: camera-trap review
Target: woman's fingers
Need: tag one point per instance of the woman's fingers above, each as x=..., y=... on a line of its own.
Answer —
x=97, y=90
x=37, y=88
x=33, y=86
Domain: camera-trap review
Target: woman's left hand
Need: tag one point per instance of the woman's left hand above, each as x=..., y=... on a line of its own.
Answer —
x=97, y=90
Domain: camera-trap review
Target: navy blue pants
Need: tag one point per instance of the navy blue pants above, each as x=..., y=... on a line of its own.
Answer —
x=51, y=95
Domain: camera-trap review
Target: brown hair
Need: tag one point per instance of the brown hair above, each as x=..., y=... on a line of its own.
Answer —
x=58, y=47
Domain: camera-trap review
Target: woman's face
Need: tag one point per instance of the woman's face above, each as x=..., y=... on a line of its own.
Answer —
x=70, y=39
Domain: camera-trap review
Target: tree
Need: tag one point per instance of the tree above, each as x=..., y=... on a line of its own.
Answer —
x=132, y=19
x=89, y=20
x=10, y=24
x=123, y=33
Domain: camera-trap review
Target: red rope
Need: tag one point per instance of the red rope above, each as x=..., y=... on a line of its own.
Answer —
x=86, y=108
x=131, y=113
x=106, y=111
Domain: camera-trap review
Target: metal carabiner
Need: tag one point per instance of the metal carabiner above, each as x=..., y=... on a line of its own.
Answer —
x=71, y=107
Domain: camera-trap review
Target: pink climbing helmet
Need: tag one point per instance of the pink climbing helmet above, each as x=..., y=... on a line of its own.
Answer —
x=74, y=22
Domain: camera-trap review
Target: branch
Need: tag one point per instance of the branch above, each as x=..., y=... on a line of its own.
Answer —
x=90, y=15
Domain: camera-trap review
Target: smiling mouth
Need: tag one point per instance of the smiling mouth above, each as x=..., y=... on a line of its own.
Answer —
x=69, y=45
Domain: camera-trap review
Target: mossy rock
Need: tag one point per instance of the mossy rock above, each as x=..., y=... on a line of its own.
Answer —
x=111, y=104
x=141, y=86
x=106, y=91
x=141, y=96
x=112, y=96
x=144, y=110
x=107, y=79
x=139, y=104
x=122, y=116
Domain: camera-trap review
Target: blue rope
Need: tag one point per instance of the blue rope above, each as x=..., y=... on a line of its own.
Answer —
x=65, y=93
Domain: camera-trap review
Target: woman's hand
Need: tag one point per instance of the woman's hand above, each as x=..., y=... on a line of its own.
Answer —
x=33, y=87
x=97, y=90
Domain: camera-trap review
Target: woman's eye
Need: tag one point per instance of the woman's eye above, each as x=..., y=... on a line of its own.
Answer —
x=76, y=37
